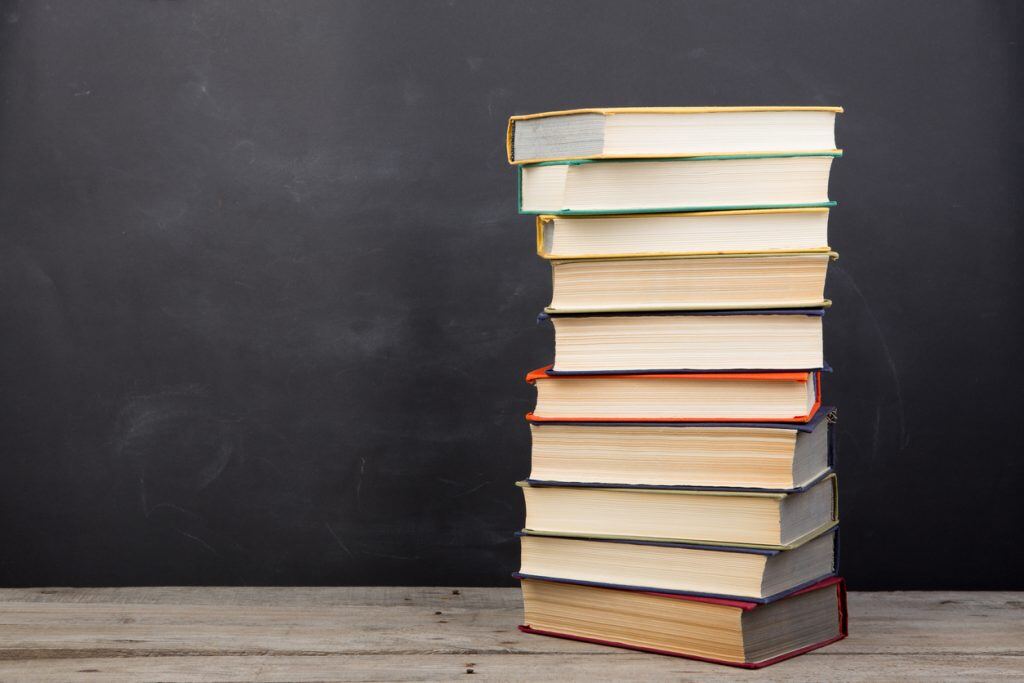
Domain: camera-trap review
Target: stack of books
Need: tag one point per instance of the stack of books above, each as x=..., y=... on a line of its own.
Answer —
x=682, y=498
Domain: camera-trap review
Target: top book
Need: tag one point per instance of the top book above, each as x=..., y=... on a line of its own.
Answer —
x=653, y=132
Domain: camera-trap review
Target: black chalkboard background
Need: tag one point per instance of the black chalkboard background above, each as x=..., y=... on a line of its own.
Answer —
x=266, y=302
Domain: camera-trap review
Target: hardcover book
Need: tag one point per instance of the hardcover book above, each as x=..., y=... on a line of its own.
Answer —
x=676, y=397
x=697, y=232
x=708, y=183
x=741, y=633
x=753, y=574
x=669, y=131
x=688, y=341
x=711, y=516
x=758, y=455
x=674, y=283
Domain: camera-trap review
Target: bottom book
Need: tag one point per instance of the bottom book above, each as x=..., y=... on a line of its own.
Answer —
x=735, y=632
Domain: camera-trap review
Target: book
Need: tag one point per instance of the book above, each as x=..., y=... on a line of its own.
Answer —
x=671, y=131
x=682, y=498
x=756, y=455
x=675, y=184
x=709, y=516
x=736, y=340
x=740, y=633
x=677, y=397
x=697, y=232
x=753, y=574
x=717, y=282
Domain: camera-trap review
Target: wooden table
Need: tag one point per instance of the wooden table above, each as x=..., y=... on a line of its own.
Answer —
x=418, y=634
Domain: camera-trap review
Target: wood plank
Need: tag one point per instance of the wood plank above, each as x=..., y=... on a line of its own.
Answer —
x=436, y=633
x=809, y=668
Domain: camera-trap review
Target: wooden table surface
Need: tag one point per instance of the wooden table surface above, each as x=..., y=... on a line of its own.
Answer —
x=419, y=634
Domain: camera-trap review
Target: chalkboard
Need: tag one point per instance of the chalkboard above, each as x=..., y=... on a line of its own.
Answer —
x=266, y=302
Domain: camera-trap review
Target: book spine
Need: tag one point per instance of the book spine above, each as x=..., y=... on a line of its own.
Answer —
x=510, y=149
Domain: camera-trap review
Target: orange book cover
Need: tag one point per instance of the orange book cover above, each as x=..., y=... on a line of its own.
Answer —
x=542, y=374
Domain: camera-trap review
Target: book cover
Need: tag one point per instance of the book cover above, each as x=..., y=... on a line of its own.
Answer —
x=802, y=377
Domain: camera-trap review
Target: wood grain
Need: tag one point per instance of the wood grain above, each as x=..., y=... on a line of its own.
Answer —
x=417, y=634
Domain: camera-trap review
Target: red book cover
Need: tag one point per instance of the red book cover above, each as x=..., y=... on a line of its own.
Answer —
x=839, y=586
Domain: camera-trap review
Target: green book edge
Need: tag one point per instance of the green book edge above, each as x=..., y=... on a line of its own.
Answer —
x=708, y=157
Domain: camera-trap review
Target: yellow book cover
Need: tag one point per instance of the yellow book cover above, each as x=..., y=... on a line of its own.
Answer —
x=546, y=222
